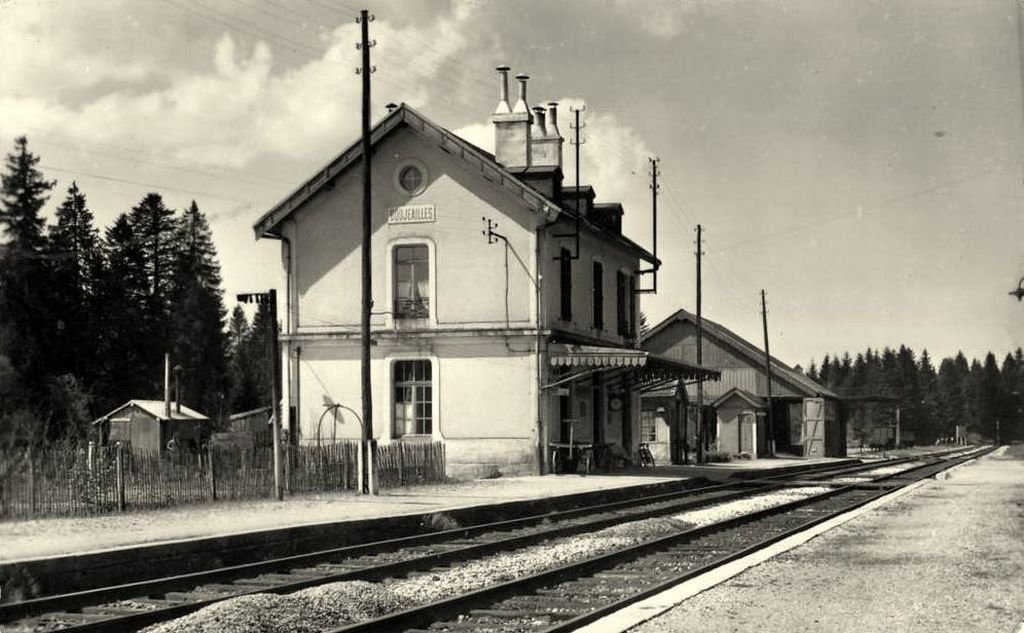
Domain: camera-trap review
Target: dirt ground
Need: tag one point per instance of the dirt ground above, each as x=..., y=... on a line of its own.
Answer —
x=948, y=557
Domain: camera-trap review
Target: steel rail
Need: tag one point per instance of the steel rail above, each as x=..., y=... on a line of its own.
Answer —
x=444, y=609
x=713, y=493
x=61, y=605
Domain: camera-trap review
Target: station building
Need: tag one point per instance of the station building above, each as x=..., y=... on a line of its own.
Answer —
x=807, y=419
x=504, y=320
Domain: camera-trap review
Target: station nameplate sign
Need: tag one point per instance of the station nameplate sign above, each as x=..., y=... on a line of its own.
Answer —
x=412, y=214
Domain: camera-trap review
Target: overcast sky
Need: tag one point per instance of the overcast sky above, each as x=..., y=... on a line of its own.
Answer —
x=861, y=161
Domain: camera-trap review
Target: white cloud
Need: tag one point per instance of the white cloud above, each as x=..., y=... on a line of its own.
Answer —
x=47, y=51
x=238, y=106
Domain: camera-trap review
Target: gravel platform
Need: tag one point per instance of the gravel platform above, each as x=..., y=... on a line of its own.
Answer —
x=948, y=557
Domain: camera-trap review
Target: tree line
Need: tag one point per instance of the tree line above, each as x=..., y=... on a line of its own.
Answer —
x=86, y=318
x=983, y=395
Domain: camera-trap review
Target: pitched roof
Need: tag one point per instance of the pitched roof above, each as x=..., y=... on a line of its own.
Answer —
x=251, y=412
x=750, y=351
x=269, y=223
x=751, y=399
x=156, y=409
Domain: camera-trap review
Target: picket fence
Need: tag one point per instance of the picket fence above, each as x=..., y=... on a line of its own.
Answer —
x=90, y=480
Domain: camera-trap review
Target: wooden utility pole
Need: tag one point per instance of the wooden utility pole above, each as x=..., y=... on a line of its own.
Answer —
x=367, y=393
x=274, y=358
x=275, y=393
x=700, y=359
x=768, y=372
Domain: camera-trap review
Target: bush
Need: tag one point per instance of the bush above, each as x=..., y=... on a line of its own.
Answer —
x=718, y=456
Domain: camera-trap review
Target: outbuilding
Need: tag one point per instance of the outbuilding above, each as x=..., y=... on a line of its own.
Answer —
x=154, y=425
x=806, y=418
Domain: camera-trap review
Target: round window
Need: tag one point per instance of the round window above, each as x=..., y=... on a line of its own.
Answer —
x=411, y=179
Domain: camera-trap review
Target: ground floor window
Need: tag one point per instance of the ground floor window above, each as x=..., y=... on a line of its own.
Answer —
x=413, y=387
x=648, y=426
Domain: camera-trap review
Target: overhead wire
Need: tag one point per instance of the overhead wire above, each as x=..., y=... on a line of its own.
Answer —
x=196, y=192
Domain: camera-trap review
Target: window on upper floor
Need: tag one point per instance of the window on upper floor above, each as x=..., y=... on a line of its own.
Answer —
x=632, y=306
x=621, y=305
x=565, y=276
x=598, y=296
x=411, y=282
x=414, y=388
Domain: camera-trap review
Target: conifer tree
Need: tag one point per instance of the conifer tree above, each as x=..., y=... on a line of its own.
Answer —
x=76, y=263
x=251, y=359
x=25, y=324
x=23, y=194
x=928, y=381
x=153, y=229
x=123, y=288
x=199, y=342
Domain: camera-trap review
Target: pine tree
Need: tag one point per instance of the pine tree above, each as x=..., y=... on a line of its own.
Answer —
x=200, y=345
x=992, y=396
x=23, y=194
x=1010, y=407
x=949, y=396
x=825, y=373
x=251, y=359
x=238, y=328
x=154, y=229
x=26, y=326
x=123, y=288
x=76, y=264
x=928, y=381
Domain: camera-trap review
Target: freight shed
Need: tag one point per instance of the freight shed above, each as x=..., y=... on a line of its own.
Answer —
x=806, y=417
x=150, y=425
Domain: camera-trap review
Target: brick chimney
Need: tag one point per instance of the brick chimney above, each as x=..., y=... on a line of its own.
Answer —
x=512, y=125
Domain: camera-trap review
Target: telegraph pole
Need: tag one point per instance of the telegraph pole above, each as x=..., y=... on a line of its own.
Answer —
x=700, y=358
x=768, y=372
x=576, y=141
x=275, y=394
x=367, y=427
x=274, y=356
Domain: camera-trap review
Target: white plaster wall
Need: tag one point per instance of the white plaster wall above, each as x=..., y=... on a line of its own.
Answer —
x=484, y=397
x=468, y=275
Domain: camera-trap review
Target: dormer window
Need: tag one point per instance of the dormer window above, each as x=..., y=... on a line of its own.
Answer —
x=412, y=282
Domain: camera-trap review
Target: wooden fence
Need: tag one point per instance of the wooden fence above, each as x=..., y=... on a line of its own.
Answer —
x=88, y=480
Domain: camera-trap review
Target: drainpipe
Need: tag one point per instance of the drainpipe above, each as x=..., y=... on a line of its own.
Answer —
x=541, y=434
x=289, y=327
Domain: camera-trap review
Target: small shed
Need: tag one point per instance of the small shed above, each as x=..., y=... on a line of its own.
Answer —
x=146, y=425
x=741, y=423
x=256, y=424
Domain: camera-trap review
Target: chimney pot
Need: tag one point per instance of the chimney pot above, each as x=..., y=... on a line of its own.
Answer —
x=503, y=107
x=539, y=130
x=552, y=124
x=521, y=103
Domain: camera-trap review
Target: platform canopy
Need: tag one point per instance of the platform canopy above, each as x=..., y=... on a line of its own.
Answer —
x=644, y=370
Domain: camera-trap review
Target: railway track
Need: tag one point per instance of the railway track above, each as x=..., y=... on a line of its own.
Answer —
x=574, y=595
x=135, y=605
